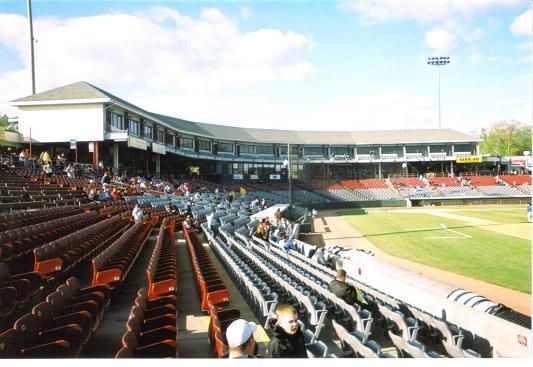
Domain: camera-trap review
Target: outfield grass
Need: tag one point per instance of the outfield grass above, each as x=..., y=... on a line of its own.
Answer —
x=516, y=215
x=489, y=256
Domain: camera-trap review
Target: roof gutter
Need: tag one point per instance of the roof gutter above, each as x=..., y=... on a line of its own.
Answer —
x=60, y=102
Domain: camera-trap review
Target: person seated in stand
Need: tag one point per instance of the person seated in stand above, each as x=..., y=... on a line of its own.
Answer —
x=288, y=339
x=345, y=291
x=47, y=169
x=287, y=243
x=260, y=232
x=240, y=338
x=115, y=194
x=188, y=222
x=137, y=213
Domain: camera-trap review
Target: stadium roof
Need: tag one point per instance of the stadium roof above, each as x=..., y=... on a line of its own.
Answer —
x=83, y=91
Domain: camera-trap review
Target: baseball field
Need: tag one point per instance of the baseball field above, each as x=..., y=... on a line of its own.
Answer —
x=489, y=243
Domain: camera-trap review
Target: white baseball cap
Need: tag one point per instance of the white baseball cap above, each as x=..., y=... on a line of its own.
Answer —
x=239, y=332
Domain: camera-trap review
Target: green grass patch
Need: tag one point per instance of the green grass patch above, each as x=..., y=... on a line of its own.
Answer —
x=518, y=215
x=355, y=212
x=486, y=255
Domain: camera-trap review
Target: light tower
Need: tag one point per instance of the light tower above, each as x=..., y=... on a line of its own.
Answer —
x=439, y=61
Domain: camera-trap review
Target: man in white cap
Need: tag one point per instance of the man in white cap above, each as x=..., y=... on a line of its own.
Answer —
x=240, y=337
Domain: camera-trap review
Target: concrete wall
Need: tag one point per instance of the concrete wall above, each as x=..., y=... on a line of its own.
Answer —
x=60, y=123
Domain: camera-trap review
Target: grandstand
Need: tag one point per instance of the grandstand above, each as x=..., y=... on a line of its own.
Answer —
x=80, y=278
x=70, y=267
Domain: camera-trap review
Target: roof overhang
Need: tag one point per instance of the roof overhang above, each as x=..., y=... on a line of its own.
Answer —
x=60, y=102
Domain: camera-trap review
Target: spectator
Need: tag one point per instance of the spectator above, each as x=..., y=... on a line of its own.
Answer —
x=263, y=204
x=240, y=338
x=278, y=216
x=288, y=339
x=115, y=194
x=188, y=222
x=260, y=232
x=107, y=195
x=45, y=157
x=26, y=157
x=22, y=158
x=106, y=179
x=71, y=171
x=210, y=220
x=347, y=292
x=47, y=170
x=288, y=243
x=529, y=213
x=242, y=191
x=137, y=213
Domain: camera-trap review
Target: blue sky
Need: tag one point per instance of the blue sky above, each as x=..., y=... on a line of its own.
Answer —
x=313, y=65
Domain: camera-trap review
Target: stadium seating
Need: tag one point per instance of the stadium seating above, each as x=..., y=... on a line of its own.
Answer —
x=113, y=264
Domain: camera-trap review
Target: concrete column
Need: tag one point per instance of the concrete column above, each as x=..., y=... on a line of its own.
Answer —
x=404, y=151
x=453, y=150
x=157, y=165
x=115, y=157
x=379, y=167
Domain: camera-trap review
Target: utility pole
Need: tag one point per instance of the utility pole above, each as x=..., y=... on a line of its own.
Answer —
x=31, y=48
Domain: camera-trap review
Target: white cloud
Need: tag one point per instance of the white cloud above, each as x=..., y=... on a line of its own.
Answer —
x=523, y=46
x=246, y=12
x=191, y=59
x=475, y=58
x=440, y=40
x=522, y=25
x=379, y=11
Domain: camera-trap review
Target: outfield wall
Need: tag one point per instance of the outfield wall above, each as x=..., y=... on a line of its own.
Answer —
x=470, y=201
x=355, y=204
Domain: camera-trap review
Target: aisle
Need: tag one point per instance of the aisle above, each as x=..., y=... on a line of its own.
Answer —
x=107, y=339
x=192, y=322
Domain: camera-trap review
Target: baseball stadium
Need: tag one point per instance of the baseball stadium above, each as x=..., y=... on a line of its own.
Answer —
x=126, y=233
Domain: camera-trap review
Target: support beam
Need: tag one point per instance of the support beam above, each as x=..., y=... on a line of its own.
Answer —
x=157, y=165
x=115, y=157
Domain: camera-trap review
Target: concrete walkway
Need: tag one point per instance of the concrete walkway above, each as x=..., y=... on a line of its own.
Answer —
x=192, y=322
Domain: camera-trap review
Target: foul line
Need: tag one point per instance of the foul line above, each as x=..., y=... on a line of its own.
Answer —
x=442, y=226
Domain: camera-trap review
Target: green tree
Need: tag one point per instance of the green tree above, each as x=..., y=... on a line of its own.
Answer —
x=6, y=125
x=506, y=138
x=3, y=121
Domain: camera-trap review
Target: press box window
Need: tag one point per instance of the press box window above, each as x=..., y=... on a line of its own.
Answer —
x=225, y=148
x=186, y=143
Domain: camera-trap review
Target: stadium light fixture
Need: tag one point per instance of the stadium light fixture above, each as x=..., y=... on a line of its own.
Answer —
x=438, y=62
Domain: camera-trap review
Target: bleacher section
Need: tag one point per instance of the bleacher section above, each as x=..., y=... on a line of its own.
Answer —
x=45, y=312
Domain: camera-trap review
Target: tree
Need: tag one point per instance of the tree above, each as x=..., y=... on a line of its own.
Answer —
x=3, y=121
x=506, y=138
x=6, y=125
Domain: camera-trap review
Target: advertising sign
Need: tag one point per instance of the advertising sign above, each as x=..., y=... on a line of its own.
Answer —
x=472, y=159
x=136, y=143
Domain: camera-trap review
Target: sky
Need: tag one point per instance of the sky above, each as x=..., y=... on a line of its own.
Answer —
x=302, y=65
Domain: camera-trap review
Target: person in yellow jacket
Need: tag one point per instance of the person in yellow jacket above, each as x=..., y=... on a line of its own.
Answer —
x=242, y=191
x=45, y=157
